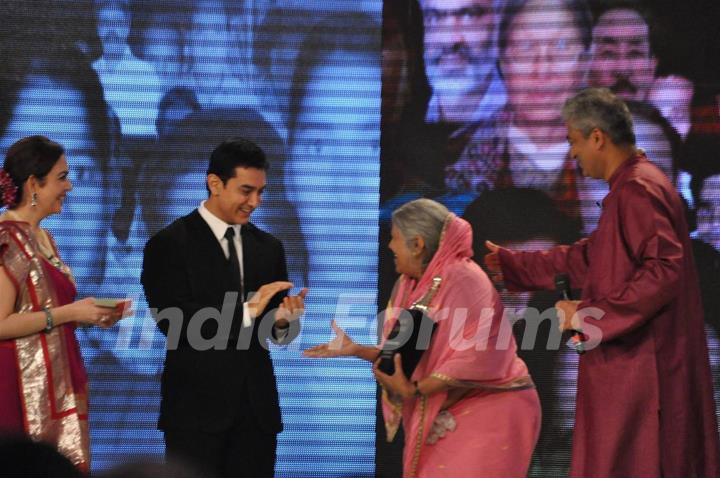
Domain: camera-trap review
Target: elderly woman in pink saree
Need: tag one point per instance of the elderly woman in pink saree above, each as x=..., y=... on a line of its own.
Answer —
x=470, y=408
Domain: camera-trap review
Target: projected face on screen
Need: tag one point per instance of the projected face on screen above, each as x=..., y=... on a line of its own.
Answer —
x=58, y=111
x=335, y=139
x=651, y=137
x=672, y=96
x=621, y=58
x=161, y=43
x=335, y=129
x=459, y=51
x=113, y=19
x=208, y=45
x=543, y=62
x=708, y=214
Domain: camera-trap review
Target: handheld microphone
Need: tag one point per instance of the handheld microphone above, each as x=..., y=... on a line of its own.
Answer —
x=562, y=286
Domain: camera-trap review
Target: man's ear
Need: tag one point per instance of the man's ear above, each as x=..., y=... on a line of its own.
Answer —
x=215, y=184
x=597, y=137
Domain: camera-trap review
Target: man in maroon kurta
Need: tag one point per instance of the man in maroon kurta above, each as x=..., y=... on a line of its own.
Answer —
x=644, y=401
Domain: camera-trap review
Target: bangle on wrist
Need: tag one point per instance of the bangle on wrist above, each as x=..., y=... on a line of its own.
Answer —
x=49, y=322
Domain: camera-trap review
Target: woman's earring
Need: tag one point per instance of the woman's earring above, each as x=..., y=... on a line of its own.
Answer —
x=33, y=200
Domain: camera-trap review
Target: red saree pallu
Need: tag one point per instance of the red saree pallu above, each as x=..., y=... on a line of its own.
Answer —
x=43, y=383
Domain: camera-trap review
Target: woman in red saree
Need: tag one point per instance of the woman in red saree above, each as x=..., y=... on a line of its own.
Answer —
x=470, y=408
x=43, y=384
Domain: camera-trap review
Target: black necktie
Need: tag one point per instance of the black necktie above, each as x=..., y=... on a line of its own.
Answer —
x=233, y=261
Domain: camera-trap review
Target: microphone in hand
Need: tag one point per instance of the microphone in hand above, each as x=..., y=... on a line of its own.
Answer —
x=562, y=286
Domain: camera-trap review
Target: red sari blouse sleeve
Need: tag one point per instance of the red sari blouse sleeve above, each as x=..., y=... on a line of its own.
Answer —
x=13, y=258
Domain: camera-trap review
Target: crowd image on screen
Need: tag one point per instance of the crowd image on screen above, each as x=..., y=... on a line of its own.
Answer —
x=460, y=49
x=458, y=65
x=672, y=95
x=544, y=53
x=136, y=90
x=524, y=144
x=622, y=58
x=120, y=70
x=157, y=32
x=541, y=53
x=332, y=152
x=708, y=211
x=470, y=93
x=62, y=97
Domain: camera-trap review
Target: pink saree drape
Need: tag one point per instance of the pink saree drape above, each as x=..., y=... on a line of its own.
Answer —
x=493, y=428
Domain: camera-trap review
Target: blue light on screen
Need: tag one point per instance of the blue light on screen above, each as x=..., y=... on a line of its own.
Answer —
x=324, y=179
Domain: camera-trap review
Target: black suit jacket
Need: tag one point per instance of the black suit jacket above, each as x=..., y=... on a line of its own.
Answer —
x=185, y=270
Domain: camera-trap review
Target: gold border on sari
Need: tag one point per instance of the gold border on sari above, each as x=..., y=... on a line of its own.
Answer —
x=53, y=411
x=520, y=383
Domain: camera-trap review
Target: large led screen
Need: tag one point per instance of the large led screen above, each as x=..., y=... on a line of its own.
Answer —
x=472, y=96
x=140, y=93
x=361, y=106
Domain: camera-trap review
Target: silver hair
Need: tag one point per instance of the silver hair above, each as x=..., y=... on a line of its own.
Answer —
x=424, y=218
x=600, y=108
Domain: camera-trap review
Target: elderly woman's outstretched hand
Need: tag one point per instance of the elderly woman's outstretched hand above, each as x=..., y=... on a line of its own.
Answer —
x=340, y=346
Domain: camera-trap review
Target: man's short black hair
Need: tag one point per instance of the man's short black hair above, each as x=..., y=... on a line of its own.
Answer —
x=236, y=153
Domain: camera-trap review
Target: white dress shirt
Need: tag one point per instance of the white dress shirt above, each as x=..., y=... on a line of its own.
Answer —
x=218, y=228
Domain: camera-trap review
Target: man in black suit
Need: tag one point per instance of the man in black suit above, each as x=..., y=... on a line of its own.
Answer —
x=219, y=408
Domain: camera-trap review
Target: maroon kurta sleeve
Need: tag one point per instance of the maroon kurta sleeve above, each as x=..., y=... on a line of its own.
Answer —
x=645, y=233
x=527, y=271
